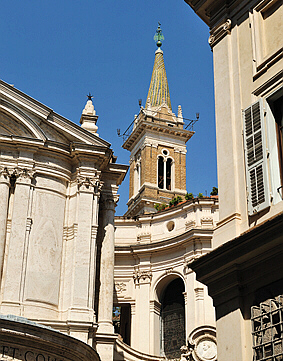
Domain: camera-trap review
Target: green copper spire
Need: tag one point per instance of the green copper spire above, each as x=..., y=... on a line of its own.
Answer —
x=159, y=90
x=158, y=36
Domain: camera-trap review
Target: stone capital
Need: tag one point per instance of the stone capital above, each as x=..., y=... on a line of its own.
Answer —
x=109, y=203
x=23, y=175
x=4, y=175
x=89, y=184
x=142, y=277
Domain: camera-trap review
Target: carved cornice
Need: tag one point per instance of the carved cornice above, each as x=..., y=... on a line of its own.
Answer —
x=218, y=33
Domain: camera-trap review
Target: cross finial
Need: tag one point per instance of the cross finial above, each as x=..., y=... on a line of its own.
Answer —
x=158, y=36
x=89, y=96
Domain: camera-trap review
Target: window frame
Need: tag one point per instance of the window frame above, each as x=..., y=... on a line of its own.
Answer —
x=275, y=159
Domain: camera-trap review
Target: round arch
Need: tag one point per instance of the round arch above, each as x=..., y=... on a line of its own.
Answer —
x=162, y=282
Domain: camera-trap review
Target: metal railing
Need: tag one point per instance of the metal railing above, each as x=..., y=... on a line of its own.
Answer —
x=158, y=116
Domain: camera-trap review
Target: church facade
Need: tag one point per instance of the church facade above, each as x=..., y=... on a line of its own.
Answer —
x=59, y=186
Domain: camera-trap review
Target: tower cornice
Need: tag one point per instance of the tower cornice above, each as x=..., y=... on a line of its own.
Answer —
x=149, y=125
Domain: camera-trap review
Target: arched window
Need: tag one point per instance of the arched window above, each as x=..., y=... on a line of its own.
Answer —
x=137, y=176
x=173, y=319
x=164, y=173
x=160, y=172
x=168, y=173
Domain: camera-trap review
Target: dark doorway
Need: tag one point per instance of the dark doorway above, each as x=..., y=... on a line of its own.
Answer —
x=173, y=319
x=122, y=321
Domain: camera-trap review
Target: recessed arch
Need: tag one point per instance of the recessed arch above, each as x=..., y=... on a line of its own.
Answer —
x=162, y=282
x=172, y=317
x=18, y=116
x=168, y=294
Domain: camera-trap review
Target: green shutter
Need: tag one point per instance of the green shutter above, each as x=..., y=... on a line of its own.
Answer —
x=256, y=159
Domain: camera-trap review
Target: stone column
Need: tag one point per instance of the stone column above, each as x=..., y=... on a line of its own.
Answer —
x=105, y=337
x=105, y=307
x=4, y=198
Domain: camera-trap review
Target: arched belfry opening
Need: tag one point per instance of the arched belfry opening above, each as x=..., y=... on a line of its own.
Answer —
x=172, y=317
x=160, y=172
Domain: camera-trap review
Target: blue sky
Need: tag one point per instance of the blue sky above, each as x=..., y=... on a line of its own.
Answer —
x=59, y=51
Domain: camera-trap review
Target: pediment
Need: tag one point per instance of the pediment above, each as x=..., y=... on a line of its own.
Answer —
x=10, y=126
x=23, y=116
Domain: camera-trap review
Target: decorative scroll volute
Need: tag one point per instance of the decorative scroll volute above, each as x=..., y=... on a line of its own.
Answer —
x=217, y=34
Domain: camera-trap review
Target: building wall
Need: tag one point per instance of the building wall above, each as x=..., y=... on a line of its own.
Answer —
x=242, y=271
x=247, y=68
x=152, y=251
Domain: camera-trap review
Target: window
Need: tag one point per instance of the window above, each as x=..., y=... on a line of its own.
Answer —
x=267, y=330
x=164, y=168
x=263, y=140
x=168, y=173
x=256, y=158
x=122, y=321
x=137, y=175
x=160, y=172
x=276, y=107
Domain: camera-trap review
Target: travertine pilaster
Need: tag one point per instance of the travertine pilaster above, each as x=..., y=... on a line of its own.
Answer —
x=20, y=227
x=82, y=302
x=4, y=196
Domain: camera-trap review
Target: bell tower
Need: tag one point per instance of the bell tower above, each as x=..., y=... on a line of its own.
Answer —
x=157, y=144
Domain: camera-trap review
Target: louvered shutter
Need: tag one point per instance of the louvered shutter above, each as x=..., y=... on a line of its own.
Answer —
x=256, y=159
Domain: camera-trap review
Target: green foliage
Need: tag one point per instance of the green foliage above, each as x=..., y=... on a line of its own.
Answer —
x=200, y=195
x=214, y=191
x=189, y=196
x=160, y=207
x=163, y=206
x=174, y=201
